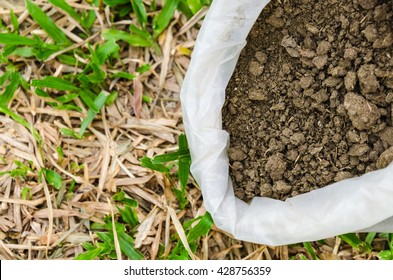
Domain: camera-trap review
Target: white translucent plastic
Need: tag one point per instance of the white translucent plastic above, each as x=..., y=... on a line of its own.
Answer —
x=353, y=205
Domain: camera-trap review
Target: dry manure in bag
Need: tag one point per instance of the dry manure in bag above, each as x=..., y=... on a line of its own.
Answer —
x=310, y=101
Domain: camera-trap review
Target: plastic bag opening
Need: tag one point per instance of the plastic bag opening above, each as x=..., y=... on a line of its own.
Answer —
x=353, y=205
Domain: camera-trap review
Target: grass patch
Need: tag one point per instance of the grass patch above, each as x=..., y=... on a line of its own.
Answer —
x=182, y=159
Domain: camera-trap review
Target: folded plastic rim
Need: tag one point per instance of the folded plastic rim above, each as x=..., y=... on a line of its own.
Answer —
x=361, y=204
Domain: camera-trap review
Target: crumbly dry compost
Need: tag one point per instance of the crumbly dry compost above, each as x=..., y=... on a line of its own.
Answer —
x=310, y=101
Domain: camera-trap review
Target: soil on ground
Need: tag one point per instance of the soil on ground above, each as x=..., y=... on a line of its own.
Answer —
x=310, y=101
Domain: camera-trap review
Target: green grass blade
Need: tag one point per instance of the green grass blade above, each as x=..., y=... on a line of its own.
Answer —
x=123, y=75
x=24, y=52
x=66, y=107
x=126, y=246
x=4, y=77
x=88, y=246
x=21, y=121
x=129, y=216
x=60, y=153
x=89, y=255
x=194, y=5
x=46, y=23
x=184, y=170
x=99, y=102
x=107, y=238
x=147, y=162
x=88, y=98
x=303, y=257
x=121, y=197
x=144, y=68
x=179, y=253
x=87, y=121
x=370, y=237
x=184, y=161
x=206, y=2
x=353, y=240
x=26, y=193
x=46, y=50
x=55, y=83
x=67, y=97
x=21, y=171
x=141, y=33
x=161, y=21
x=132, y=39
x=153, y=6
x=67, y=59
x=111, y=98
x=69, y=133
x=52, y=178
x=23, y=83
x=183, y=144
x=201, y=228
x=85, y=83
x=113, y=3
x=185, y=9
x=310, y=250
x=16, y=40
x=10, y=89
x=170, y=156
x=88, y=19
x=98, y=74
x=67, y=8
x=104, y=51
x=147, y=99
x=41, y=93
x=14, y=21
x=140, y=12
x=386, y=255
x=390, y=241
x=181, y=196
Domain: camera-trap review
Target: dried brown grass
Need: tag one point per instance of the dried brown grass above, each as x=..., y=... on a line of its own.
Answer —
x=53, y=226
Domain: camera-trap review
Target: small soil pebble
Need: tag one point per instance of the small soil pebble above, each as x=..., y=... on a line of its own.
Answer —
x=236, y=154
x=310, y=101
x=367, y=79
x=275, y=166
x=363, y=114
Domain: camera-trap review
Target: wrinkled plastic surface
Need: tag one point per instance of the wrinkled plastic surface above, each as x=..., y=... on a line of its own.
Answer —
x=359, y=204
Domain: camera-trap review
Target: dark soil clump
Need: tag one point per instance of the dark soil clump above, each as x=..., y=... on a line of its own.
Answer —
x=310, y=102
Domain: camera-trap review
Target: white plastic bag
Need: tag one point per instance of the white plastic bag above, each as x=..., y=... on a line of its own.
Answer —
x=359, y=204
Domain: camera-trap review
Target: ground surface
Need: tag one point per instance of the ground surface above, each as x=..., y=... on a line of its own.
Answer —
x=310, y=102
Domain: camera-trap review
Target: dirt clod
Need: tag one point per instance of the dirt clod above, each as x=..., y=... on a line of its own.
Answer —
x=367, y=79
x=358, y=150
x=385, y=158
x=362, y=113
x=323, y=47
x=282, y=187
x=236, y=154
x=367, y=4
x=386, y=135
x=342, y=175
x=276, y=166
